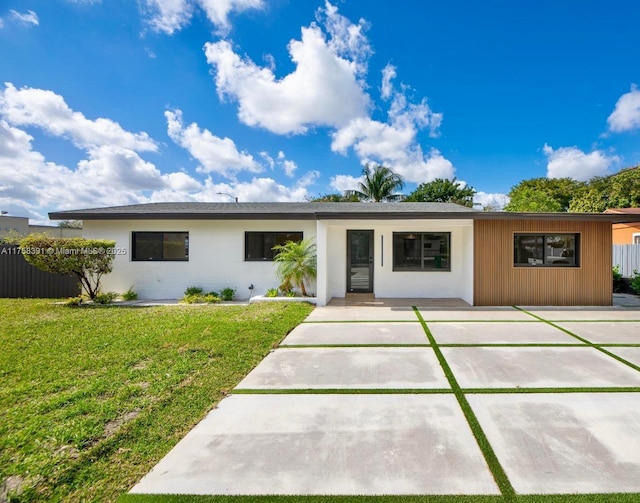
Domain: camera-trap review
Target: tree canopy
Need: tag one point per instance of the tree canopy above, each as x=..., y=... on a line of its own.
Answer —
x=87, y=259
x=379, y=184
x=443, y=190
x=543, y=194
x=335, y=198
x=620, y=190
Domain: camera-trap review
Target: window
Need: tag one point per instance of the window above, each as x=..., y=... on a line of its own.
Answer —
x=160, y=246
x=259, y=245
x=546, y=250
x=636, y=239
x=421, y=251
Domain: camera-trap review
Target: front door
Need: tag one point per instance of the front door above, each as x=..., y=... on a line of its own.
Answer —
x=360, y=261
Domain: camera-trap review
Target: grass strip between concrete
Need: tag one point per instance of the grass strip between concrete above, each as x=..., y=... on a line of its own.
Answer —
x=342, y=391
x=582, y=339
x=490, y=457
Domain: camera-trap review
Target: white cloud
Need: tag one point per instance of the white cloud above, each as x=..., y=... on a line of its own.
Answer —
x=289, y=167
x=626, y=115
x=496, y=201
x=217, y=155
x=28, y=18
x=388, y=74
x=48, y=111
x=574, y=163
x=323, y=90
x=342, y=183
x=169, y=16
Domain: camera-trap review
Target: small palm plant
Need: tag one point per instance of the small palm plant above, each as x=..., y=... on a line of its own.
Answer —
x=296, y=263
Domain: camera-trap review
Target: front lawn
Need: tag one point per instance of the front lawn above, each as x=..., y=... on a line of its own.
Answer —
x=92, y=398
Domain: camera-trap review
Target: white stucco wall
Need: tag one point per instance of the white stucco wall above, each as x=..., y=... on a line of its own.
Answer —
x=216, y=257
x=457, y=283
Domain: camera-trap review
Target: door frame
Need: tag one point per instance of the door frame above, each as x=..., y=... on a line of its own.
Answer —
x=371, y=235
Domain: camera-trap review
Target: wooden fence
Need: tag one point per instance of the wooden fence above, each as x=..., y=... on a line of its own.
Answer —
x=20, y=279
x=628, y=258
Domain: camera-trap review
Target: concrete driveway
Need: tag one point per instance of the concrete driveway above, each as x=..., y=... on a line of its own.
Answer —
x=394, y=400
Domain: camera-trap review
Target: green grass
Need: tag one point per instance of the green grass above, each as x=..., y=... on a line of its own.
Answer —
x=92, y=398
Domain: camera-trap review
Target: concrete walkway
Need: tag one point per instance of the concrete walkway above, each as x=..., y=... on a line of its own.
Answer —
x=369, y=400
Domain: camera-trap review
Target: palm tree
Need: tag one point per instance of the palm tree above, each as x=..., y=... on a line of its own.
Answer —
x=379, y=184
x=296, y=263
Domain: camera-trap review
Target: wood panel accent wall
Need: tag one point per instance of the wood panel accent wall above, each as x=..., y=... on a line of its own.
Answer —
x=498, y=283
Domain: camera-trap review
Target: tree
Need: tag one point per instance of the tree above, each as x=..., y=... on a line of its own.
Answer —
x=335, y=198
x=620, y=190
x=533, y=201
x=443, y=190
x=297, y=263
x=379, y=184
x=87, y=259
x=544, y=194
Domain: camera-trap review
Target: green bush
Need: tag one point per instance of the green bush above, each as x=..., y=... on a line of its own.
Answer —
x=193, y=290
x=130, y=295
x=227, y=294
x=73, y=301
x=290, y=293
x=635, y=282
x=201, y=298
x=618, y=285
x=105, y=297
x=272, y=292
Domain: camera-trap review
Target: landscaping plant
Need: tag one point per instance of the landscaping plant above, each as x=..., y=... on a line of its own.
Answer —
x=87, y=259
x=635, y=282
x=297, y=263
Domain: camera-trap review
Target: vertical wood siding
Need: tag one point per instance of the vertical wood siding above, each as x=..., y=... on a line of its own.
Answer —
x=498, y=283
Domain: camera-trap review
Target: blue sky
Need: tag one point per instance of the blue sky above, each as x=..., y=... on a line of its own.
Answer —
x=109, y=102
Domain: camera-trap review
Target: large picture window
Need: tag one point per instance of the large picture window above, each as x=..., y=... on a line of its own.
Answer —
x=546, y=250
x=160, y=246
x=421, y=251
x=259, y=245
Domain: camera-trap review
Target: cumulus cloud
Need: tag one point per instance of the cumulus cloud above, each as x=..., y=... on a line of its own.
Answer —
x=215, y=154
x=49, y=112
x=324, y=89
x=169, y=16
x=574, y=163
x=28, y=18
x=342, y=183
x=494, y=201
x=626, y=115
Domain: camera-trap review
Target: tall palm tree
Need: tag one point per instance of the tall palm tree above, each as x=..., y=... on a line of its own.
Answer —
x=379, y=184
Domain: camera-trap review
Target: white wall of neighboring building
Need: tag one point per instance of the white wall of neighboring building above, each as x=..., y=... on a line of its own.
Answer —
x=457, y=283
x=216, y=256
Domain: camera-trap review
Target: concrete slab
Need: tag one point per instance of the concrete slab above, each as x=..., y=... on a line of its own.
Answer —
x=499, y=332
x=363, y=313
x=326, y=444
x=564, y=443
x=357, y=333
x=632, y=355
x=476, y=314
x=527, y=367
x=585, y=313
x=627, y=332
x=347, y=368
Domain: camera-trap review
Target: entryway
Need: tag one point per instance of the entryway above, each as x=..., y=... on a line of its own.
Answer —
x=360, y=261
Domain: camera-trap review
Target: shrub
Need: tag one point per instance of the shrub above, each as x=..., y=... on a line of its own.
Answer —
x=105, y=297
x=272, y=292
x=193, y=290
x=227, y=294
x=201, y=298
x=635, y=282
x=130, y=295
x=290, y=293
x=73, y=301
x=618, y=284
